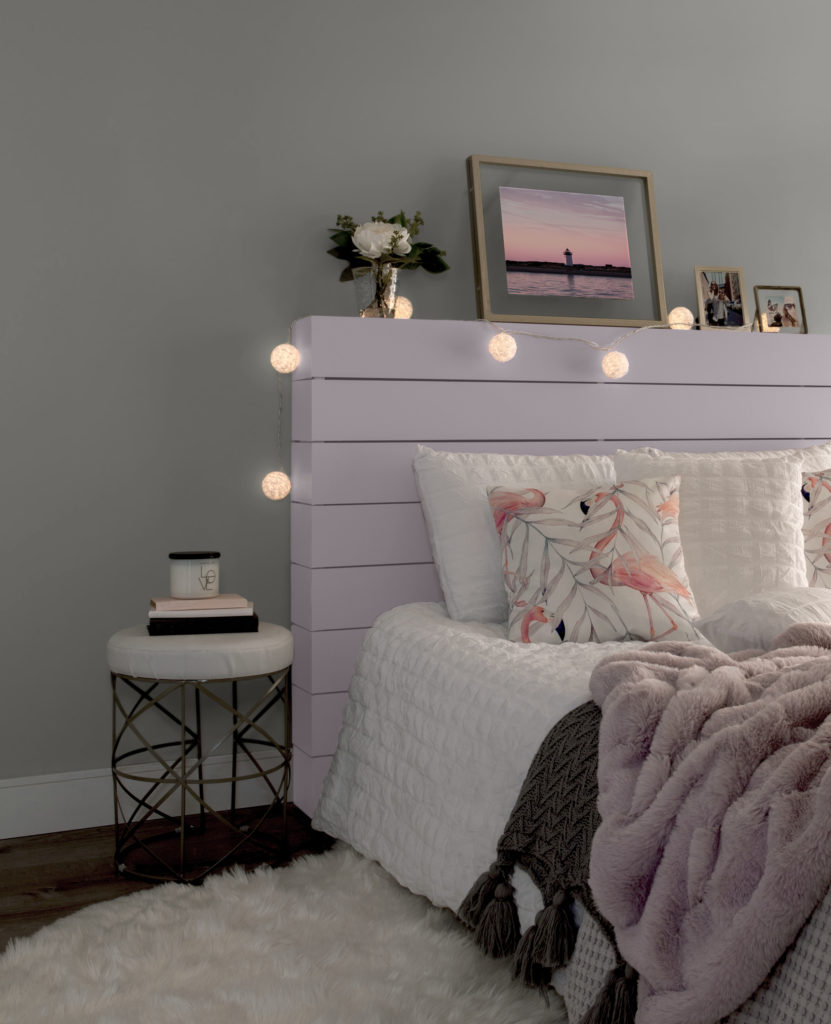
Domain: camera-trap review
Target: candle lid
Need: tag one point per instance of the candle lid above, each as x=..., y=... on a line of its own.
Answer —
x=194, y=556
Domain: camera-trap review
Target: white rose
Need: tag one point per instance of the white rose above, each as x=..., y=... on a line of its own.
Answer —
x=375, y=238
x=402, y=245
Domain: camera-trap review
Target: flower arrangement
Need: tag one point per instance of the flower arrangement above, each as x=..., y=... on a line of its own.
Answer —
x=384, y=240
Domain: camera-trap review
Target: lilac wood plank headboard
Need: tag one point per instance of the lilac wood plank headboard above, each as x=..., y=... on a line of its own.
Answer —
x=367, y=391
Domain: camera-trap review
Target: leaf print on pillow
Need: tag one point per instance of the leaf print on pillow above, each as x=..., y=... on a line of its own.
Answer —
x=816, y=529
x=594, y=566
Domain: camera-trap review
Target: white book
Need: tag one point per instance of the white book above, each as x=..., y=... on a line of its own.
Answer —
x=200, y=613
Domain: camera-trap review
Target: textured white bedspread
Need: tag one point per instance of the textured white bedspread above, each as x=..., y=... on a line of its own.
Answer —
x=442, y=722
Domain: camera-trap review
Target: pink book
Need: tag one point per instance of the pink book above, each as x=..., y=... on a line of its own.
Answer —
x=181, y=604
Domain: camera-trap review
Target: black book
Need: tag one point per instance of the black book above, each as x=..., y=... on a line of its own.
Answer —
x=207, y=624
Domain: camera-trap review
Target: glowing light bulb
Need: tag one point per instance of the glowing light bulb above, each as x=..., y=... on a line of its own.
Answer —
x=615, y=365
x=285, y=358
x=502, y=347
x=403, y=308
x=681, y=319
x=276, y=485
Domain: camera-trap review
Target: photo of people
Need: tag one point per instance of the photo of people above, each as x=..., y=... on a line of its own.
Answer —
x=780, y=308
x=720, y=293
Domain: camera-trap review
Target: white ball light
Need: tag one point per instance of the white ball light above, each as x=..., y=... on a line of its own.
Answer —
x=276, y=485
x=285, y=358
x=403, y=308
x=615, y=365
x=502, y=347
x=681, y=319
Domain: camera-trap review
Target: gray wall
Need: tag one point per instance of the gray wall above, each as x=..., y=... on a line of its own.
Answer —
x=169, y=170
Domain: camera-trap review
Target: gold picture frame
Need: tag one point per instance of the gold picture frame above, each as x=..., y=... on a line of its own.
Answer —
x=564, y=243
x=780, y=308
x=722, y=298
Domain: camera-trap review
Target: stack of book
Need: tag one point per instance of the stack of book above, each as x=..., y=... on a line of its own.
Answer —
x=225, y=613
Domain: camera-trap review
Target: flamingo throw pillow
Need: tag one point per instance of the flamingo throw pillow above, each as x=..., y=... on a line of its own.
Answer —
x=601, y=564
x=816, y=529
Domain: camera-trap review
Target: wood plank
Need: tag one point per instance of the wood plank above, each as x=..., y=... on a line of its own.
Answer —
x=48, y=876
x=431, y=411
x=316, y=719
x=308, y=776
x=351, y=347
x=327, y=473
x=349, y=598
x=324, y=659
x=331, y=535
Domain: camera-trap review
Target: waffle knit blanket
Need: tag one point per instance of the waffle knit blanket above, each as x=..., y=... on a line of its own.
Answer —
x=714, y=845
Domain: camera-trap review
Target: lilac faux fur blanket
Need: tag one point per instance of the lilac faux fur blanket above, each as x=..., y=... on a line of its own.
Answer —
x=715, y=799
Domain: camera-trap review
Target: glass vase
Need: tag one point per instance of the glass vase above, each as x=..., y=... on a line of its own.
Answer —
x=376, y=288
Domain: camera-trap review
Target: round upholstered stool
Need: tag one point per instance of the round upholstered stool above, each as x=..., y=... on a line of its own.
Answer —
x=166, y=765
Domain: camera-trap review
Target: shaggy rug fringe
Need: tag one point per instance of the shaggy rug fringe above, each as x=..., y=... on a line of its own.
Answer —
x=330, y=939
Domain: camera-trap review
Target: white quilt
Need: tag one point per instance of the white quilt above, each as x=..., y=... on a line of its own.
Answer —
x=442, y=722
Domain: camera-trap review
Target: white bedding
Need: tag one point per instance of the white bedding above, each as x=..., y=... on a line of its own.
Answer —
x=441, y=725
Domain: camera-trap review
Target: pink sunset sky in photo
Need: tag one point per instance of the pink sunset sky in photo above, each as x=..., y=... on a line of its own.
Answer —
x=539, y=225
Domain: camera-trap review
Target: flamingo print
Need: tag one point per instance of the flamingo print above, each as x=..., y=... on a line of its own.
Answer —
x=557, y=545
x=815, y=491
x=503, y=502
x=642, y=572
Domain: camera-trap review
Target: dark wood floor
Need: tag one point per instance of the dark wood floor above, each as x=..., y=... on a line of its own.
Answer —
x=46, y=877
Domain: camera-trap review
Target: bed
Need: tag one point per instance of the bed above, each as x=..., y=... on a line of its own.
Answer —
x=444, y=711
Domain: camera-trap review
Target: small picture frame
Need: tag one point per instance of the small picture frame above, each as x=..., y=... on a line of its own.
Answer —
x=721, y=297
x=780, y=308
x=564, y=243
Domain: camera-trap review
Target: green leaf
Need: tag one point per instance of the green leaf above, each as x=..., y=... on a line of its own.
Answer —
x=432, y=260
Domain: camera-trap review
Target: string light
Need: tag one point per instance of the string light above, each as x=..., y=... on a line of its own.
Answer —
x=276, y=485
x=502, y=347
x=403, y=308
x=614, y=364
x=285, y=358
x=680, y=319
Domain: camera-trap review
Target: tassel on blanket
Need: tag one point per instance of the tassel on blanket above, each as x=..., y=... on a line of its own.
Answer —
x=526, y=966
x=618, y=1002
x=481, y=894
x=555, y=933
x=547, y=944
x=497, y=932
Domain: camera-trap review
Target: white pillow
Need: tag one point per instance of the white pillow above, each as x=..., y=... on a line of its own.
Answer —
x=596, y=565
x=453, y=491
x=811, y=459
x=756, y=621
x=741, y=521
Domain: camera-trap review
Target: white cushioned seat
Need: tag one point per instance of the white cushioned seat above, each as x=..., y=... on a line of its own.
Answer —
x=133, y=652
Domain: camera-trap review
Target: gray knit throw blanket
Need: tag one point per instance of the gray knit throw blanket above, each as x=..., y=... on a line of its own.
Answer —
x=549, y=834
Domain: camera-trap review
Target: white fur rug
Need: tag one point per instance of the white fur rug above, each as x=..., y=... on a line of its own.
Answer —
x=330, y=939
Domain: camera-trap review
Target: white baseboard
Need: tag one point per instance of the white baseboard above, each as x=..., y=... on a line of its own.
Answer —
x=59, y=803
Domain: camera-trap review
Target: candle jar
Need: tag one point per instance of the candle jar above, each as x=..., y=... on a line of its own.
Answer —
x=194, y=573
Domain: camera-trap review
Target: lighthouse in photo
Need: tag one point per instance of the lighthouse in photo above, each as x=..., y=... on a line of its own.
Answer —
x=569, y=257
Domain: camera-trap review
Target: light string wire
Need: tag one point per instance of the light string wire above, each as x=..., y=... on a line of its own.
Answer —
x=614, y=344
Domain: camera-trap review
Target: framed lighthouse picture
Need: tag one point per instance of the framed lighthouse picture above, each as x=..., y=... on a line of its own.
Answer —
x=564, y=243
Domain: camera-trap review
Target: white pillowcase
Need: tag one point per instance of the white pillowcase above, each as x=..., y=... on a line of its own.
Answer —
x=453, y=491
x=740, y=520
x=756, y=621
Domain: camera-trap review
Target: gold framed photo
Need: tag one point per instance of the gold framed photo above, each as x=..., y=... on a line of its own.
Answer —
x=721, y=295
x=780, y=308
x=564, y=243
